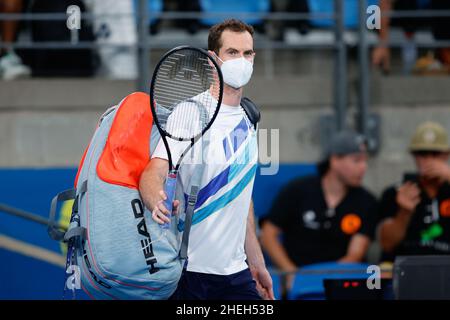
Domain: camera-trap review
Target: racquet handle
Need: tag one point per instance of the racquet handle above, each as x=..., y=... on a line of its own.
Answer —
x=170, y=188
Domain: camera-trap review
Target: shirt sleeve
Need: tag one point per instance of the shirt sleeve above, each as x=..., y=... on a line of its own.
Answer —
x=369, y=218
x=160, y=151
x=176, y=149
x=183, y=122
x=388, y=204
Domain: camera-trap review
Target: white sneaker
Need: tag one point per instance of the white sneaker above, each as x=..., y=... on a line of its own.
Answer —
x=11, y=67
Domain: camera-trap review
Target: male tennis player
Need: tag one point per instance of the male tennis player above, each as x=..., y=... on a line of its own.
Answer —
x=225, y=259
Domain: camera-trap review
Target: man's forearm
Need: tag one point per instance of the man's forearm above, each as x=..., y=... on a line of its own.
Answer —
x=255, y=259
x=393, y=230
x=252, y=248
x=270, y=242
x=385, y=7
x=278, y=254
x=150, y=185
x=357, y=249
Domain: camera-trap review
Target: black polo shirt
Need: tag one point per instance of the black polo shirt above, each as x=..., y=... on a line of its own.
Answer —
x=311, y=232
x=429, y=228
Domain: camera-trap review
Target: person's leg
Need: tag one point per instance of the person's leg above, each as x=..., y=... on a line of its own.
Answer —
x=191, y=25
x=9, y=27
x=192, y=286
x=299, y=6
x=241, y=287
x=11, y=66
x=409, y=25
x=441, y=29
x=441, y=25
x=200, y=286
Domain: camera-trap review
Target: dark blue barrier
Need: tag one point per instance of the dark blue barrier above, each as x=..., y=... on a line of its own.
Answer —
x=311, y=285
x=25, y=277
x=22, y=276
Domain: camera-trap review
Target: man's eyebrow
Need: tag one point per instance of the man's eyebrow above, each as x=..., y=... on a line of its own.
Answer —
x=231, y=49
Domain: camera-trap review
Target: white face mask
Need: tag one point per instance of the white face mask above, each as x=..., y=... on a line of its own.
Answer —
x=236, y=72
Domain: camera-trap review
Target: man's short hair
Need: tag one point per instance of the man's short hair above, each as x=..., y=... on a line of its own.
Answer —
x=215, y=33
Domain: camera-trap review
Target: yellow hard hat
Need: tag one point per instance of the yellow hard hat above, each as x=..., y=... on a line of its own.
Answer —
x=430, y=136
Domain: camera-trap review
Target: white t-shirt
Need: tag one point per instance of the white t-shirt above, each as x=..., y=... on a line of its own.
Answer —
x=216, y=244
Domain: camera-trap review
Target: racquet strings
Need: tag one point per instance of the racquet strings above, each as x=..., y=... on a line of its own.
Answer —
x=185, y=93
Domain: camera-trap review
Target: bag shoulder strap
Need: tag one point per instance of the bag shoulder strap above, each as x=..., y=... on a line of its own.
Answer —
x=192, y=200
x=251, y=110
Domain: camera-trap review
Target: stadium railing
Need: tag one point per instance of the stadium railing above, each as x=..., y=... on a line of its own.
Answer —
x=337, y=22
x=146, y=42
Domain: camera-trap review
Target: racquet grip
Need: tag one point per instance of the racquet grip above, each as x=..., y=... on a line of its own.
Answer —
x=170, y=188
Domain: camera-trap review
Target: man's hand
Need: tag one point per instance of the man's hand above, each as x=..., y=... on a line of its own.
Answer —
x=381, y=56
x=437, y=169
x=408, y=197
x=263, y=282
x=160, y=213
x=255, y=259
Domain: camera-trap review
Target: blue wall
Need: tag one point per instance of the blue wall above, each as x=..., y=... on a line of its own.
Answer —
x=22, y=277
x=266, y=188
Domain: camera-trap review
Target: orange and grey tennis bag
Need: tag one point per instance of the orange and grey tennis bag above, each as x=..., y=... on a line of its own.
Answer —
x=114, y=245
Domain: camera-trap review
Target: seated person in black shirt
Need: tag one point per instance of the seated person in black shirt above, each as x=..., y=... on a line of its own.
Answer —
x=417, y=214
x=324, y=218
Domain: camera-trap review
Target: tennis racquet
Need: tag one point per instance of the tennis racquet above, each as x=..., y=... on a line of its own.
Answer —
x=185, y=97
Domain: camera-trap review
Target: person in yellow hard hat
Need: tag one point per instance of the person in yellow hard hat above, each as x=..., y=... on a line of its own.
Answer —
x=417, y=213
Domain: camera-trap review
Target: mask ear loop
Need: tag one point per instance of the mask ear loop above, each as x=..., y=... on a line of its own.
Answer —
x=218, y=57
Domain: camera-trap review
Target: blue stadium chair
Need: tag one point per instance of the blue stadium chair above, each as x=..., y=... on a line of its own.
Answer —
x=276, y=284
x=310, y=286
x=154, y=7
x=351, y=12
x=267, y=187
x=237, y=6
x=423, y=4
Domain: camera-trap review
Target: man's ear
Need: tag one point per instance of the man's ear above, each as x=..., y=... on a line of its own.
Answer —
x=335, y=160
x=332, y=161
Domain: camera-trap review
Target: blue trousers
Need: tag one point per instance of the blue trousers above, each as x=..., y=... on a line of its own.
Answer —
x=202, y=286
